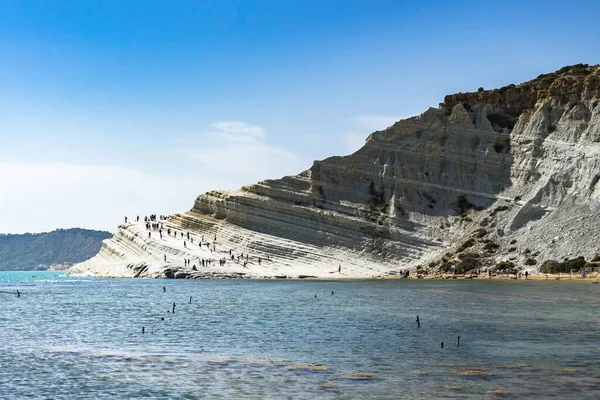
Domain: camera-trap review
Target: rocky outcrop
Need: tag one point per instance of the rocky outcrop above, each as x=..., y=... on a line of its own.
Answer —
x=507, y=174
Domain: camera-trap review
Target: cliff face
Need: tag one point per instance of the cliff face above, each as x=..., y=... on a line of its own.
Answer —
x=505, y=174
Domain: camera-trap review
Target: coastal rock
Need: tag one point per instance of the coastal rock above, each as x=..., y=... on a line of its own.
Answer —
x=508, y=169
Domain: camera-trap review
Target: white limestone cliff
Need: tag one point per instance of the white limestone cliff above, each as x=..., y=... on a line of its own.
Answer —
x=506, y=174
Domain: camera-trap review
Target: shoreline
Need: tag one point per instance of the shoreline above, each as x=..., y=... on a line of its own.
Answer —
x=532, y=277
x=213, y=275
x=140, y=251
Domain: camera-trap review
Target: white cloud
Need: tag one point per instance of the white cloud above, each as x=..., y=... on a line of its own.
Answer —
x=375, y=122
x=46, y=196
x=354, y=141
x=363, y=126
x=247, y=163
x=238, y=131
x=43, y=197
x=238, y=153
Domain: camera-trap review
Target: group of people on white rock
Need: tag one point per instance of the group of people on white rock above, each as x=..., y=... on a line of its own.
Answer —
x=151, y=218
x=152, y=224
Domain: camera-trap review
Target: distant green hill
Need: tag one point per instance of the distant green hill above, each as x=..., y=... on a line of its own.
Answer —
x=35, y=250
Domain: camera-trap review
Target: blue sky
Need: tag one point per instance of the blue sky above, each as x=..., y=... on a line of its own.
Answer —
x=110, y=108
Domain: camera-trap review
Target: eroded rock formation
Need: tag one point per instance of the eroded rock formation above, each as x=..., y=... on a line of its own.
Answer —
x=493, y=175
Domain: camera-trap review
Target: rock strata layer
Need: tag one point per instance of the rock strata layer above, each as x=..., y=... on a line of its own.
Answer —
x=508, y=174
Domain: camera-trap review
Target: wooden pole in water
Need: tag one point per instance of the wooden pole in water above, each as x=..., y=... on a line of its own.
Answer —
x=418, y=322
x=190, y=299
x=143, y=330
x=174, y=307
x=458, y=341
x=442, y=345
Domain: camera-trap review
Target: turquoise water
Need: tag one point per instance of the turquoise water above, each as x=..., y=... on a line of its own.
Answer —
x=68, y=338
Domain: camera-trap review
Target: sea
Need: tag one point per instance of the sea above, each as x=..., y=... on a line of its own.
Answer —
x=85, y=338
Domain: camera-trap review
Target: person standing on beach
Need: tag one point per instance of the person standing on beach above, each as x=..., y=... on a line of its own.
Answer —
x=340, y=269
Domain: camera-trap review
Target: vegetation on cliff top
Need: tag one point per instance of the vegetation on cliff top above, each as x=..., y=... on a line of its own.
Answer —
x=39, y=250
x=574, y=264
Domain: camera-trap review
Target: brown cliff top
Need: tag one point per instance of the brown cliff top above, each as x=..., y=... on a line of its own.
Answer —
x=571, y=83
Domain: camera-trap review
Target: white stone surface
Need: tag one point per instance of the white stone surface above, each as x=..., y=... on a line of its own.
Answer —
x=396, y=202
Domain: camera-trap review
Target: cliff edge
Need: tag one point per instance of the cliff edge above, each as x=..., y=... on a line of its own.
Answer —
x=504, y=175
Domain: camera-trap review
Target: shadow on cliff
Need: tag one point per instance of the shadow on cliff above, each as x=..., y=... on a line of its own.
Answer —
x=443, y=163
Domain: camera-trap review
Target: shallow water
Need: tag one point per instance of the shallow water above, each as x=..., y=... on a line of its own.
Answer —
x=68, y=338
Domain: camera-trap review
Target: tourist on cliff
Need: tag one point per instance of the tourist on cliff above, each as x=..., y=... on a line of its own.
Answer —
x=125, y=219
x=137, y=219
